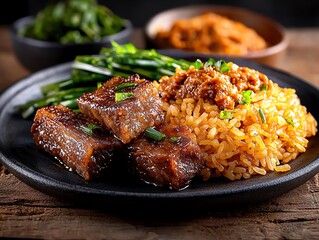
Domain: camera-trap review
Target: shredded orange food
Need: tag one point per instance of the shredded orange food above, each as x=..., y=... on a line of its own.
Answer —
x=211, y=33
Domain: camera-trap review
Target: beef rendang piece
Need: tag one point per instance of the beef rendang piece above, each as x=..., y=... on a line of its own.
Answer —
x=126, y=117
x=172, y=162
x=78, y=142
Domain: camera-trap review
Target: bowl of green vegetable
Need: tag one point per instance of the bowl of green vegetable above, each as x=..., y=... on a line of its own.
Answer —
x=65, y=29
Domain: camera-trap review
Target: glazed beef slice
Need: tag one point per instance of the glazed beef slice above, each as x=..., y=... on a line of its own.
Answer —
x=172, y=162
x=79, y=143
x=127, y=118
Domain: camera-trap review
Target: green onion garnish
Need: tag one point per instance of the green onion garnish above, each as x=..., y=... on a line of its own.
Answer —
x=246, y=97
x=262, y=115
x=225, y=114
x=121, y=96
x=154, y=134
x=198, y=64
x=175, y=139
x=125, y=85
x=222, y=66
x=99, y=84
x=89, y=128
x=264, y=87
x=290, y=121
x=209, y=63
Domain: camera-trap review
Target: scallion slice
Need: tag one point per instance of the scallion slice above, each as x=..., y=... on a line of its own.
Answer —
x=154, y=134
x=209, y=63
x=121, y=96
x=99, y=84
x=264, y=87
x=175, y=139
x=125, y=85
x=89, y=128
x=290, y=121
x=198, y=64
x=222, y=66
x=225, y=114
x=246, y=97
x=262, y=115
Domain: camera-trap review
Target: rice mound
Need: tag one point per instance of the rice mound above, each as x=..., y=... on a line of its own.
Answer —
x=245, y=144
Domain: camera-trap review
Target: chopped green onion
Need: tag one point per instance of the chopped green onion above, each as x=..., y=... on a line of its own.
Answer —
x=125, y=48
x=154, y=134
x=125, y=85
x=225, y=114
x=264, y=87
x=28, y=112
x=89, y=129
x=246, y=97
x=222, y=66
x=198, y=64
x=290, y=121
x=209, y=63
x=121, y=96
x=262, y=115
x=99, y=84
x=175, y=139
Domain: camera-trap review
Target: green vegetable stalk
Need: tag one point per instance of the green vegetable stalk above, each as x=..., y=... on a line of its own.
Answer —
x=87, y=72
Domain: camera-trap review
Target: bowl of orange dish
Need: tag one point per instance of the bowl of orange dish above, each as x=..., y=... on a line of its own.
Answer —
x=219, y=31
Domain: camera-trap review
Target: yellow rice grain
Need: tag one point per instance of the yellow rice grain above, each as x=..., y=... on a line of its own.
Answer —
x=229, y=175
x=215, y=143
x=212, y=133
x=259, y=170
x=239, y=170
x=246, y=175
x=217, y=164
x=201, y=118
x=270, y=164
x=282, y=168
x=238, y=176
x=206, y=142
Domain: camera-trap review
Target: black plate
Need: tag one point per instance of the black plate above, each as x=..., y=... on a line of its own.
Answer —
x=39, y=170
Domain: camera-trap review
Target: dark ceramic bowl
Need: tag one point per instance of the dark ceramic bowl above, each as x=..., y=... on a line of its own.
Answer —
x=273, y=32
x=36, y=55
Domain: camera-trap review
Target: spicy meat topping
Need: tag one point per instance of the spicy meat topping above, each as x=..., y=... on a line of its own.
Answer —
x=224, y=88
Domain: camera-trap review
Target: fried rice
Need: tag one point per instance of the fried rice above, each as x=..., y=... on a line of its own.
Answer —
x=255, y=138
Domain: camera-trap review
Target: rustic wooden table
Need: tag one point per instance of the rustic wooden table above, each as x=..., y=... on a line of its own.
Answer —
x=27, y=213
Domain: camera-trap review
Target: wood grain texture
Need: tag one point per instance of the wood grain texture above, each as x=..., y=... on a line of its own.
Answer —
x=27, y=213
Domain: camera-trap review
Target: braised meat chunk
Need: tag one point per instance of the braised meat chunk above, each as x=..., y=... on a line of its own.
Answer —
x=78, y=142
x=172, y=162
x=126, y=106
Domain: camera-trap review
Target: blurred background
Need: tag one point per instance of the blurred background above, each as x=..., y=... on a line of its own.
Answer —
x=289, y=13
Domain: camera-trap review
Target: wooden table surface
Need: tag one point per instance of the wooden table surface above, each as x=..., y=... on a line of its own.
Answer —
x=28, y=213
